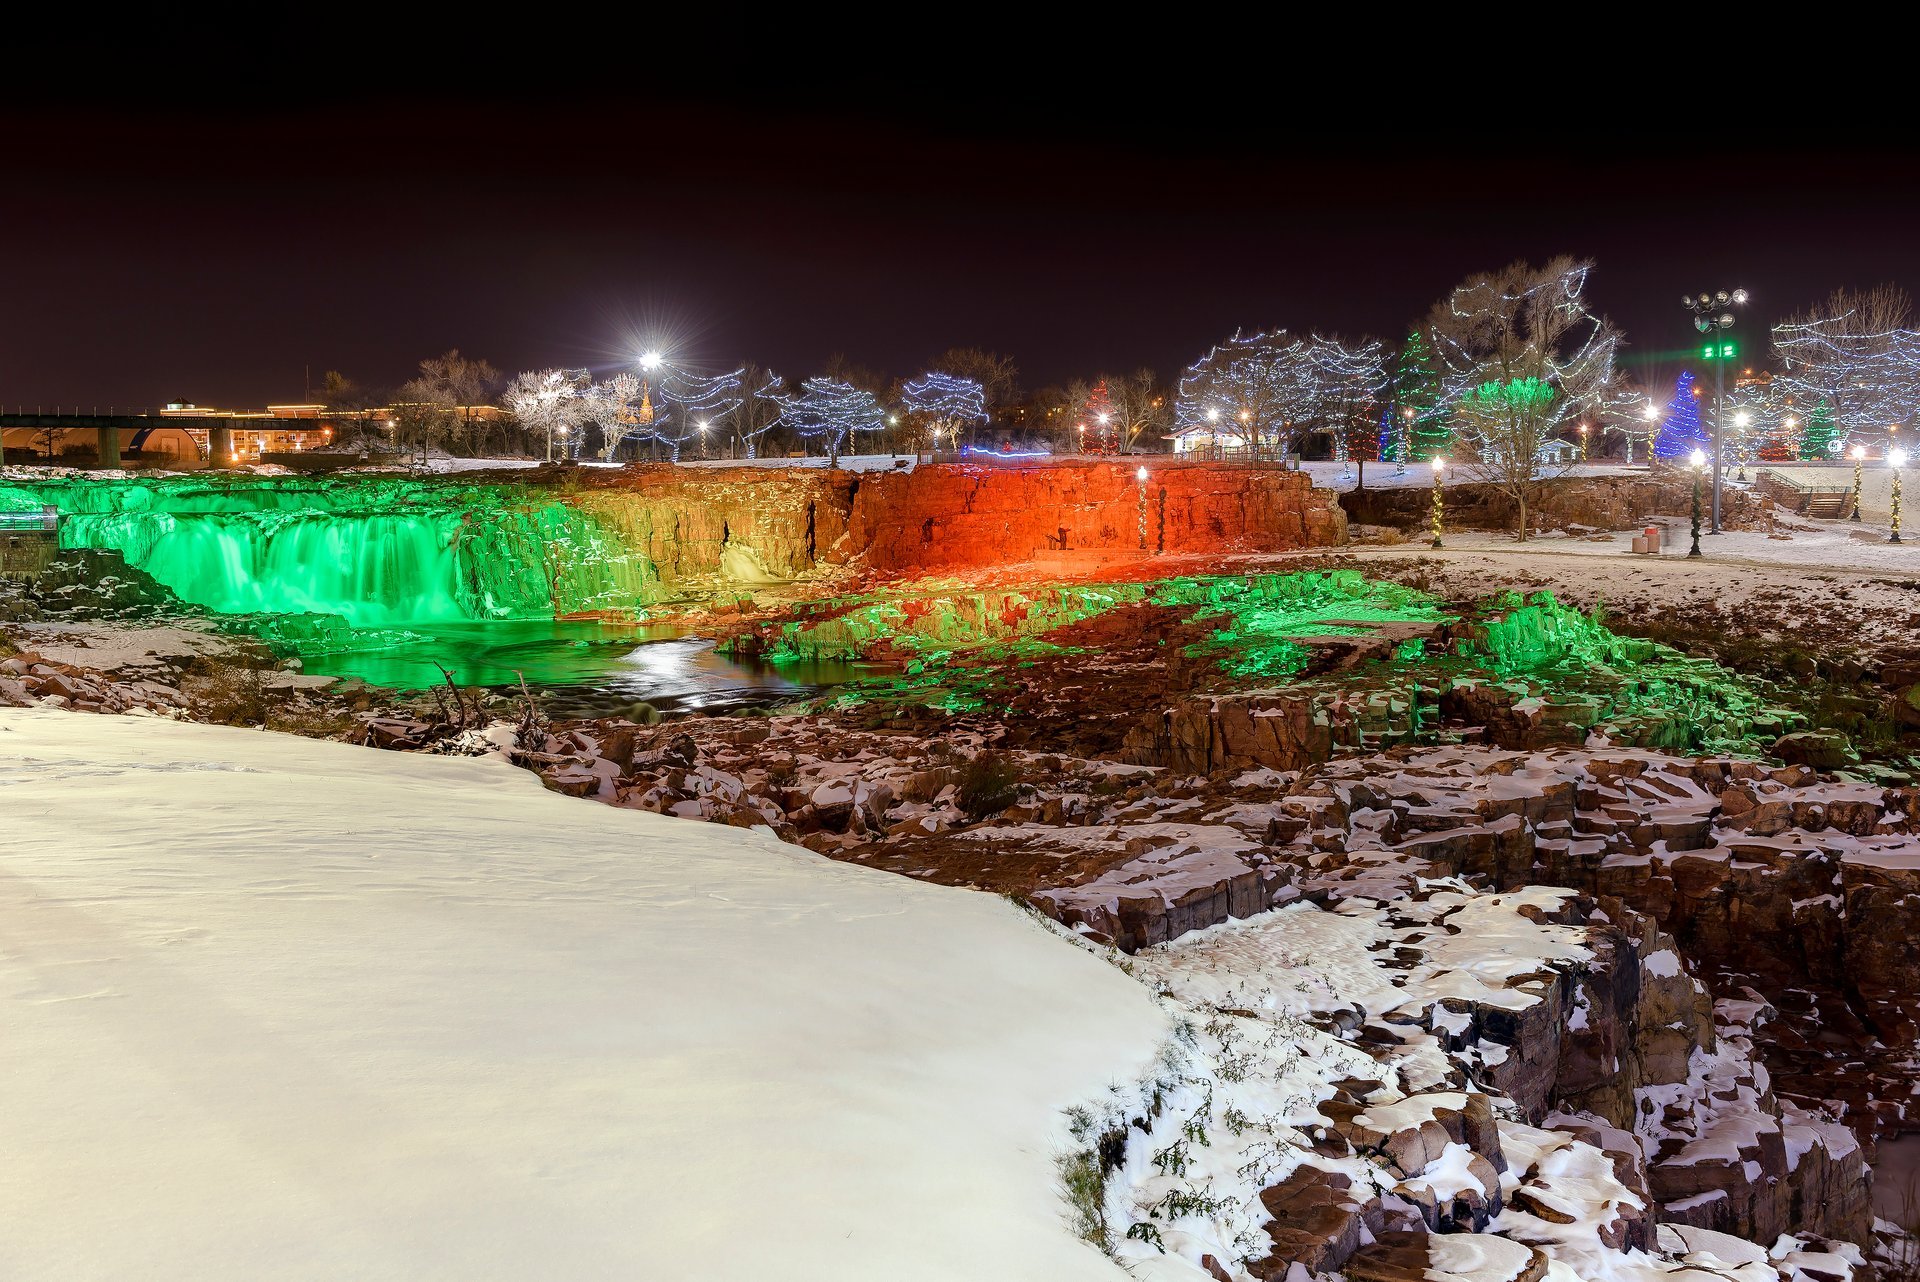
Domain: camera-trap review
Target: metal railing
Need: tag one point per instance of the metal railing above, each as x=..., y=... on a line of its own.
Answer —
x=44, y=520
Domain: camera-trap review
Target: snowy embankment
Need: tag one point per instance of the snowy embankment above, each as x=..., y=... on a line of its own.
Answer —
x=284, y=1008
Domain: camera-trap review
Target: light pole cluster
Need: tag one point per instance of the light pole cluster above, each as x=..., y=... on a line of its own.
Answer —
x=1713, y=316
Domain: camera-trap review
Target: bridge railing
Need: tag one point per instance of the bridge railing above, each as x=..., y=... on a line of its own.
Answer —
x=43, y=520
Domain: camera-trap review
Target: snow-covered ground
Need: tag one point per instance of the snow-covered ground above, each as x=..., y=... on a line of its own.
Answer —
x=1826, y=545
x=284, y=1008
x=1328, y=475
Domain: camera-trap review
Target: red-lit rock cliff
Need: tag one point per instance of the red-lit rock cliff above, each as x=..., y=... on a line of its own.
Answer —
x=783, y=522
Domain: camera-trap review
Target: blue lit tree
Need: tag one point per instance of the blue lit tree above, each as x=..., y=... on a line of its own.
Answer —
x=1680, y=430
x=695, y=406
x=938, y=403
x=832, y=412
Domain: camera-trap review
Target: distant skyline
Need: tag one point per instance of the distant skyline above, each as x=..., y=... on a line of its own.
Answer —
x=213, y=252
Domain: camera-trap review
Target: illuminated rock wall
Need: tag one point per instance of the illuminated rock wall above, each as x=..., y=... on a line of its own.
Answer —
x=379, y=550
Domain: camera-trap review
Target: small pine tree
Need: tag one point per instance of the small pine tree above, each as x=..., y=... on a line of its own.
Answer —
x=1416, y=387
x=1820, y=439
x=1680, y=429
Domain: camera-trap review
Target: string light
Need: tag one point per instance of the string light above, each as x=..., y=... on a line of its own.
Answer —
x=833, y=411
x=1680, y=429
x=946, y=402
x=1864, y=371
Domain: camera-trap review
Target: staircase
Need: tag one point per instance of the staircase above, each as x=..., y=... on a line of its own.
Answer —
x=1829, y=505
x=1826, y=502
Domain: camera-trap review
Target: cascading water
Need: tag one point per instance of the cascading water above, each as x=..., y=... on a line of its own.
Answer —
x=403, y=581
x=375, y=553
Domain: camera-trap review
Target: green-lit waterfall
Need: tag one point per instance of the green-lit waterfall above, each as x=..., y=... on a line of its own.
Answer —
x=374, y=552
x=393, y=578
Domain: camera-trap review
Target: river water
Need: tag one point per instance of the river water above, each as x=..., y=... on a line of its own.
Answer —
x=585, y=668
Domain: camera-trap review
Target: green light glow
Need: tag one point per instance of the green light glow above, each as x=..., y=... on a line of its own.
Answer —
x=374, y=552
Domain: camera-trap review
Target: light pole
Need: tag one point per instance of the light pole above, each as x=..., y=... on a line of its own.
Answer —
x=1699, y=461
x=1859, y=456
x=1405, y=443
x=1652, y=415
x=1439, y=499
x=1896, y=459
x=1583, y=442
x=1741, y=419
x=1712, y=313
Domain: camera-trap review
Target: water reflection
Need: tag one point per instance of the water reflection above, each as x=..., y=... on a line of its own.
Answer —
x=586, y=668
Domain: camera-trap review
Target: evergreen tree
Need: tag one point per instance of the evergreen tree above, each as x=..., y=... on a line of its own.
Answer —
x=1680, y=429
x=1416, y=387
x=1820, y=439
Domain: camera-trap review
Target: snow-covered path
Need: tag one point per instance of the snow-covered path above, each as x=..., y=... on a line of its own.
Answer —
x=276, y=1008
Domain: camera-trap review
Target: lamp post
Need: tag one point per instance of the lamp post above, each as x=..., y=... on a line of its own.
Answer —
x=1712, y=313
x=1859, y=456
x=1896, y=459
x=1699, y=461
x=1652, y=415
x=1405, y=444
x=1583, y=442
x=1439, y=499
x=1741, y=420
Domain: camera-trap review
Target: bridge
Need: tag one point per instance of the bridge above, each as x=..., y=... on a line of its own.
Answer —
x=218, y=427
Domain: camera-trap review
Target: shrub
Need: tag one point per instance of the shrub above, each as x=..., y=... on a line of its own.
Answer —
x=988, y=784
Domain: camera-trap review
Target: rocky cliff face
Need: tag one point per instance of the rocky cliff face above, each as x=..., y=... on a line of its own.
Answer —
x=780, y=523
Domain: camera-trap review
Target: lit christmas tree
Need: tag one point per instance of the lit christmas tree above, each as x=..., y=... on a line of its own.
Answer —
x=1416, y=387
x=1362, y=435
x=1680, y=429
x=1820, y=439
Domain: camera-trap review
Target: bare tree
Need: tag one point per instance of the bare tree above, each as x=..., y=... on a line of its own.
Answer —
x=1141, y=407
x=1521, y=356
x=465, y=385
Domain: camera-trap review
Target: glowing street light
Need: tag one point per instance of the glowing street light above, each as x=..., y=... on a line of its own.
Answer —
x=1859, y=456
x=651, y=361
x=1140, y=475
x=1439, y=501
x=1896, y=459
x=1699, y=460
x=1583, y=442
x=1742, y=420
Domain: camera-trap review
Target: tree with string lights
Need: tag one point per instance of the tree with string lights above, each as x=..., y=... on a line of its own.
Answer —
x=762, y=399
x=695, y=406
x=1858, y=355
x=940, y=404
x=1522, y=358
x=1096, y=428
x=1821, y=438
x=547, y=402
x=832, y=412
x=614, y=406
x=1426, y=431
x=1681, y=432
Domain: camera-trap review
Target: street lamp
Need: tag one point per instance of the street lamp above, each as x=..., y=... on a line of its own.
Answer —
x=1741, y=420
x=1859, y=456
x=1652, y=415
x=651, y=361
x=1699, y=461
x=1896, y=459
x=1583, y=442
x=1439, y=499
x=1712, y=313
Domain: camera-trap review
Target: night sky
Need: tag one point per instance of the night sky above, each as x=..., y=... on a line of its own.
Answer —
x=215, y=246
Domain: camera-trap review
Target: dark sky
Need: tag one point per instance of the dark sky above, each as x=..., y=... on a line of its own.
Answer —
x=215, y=245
